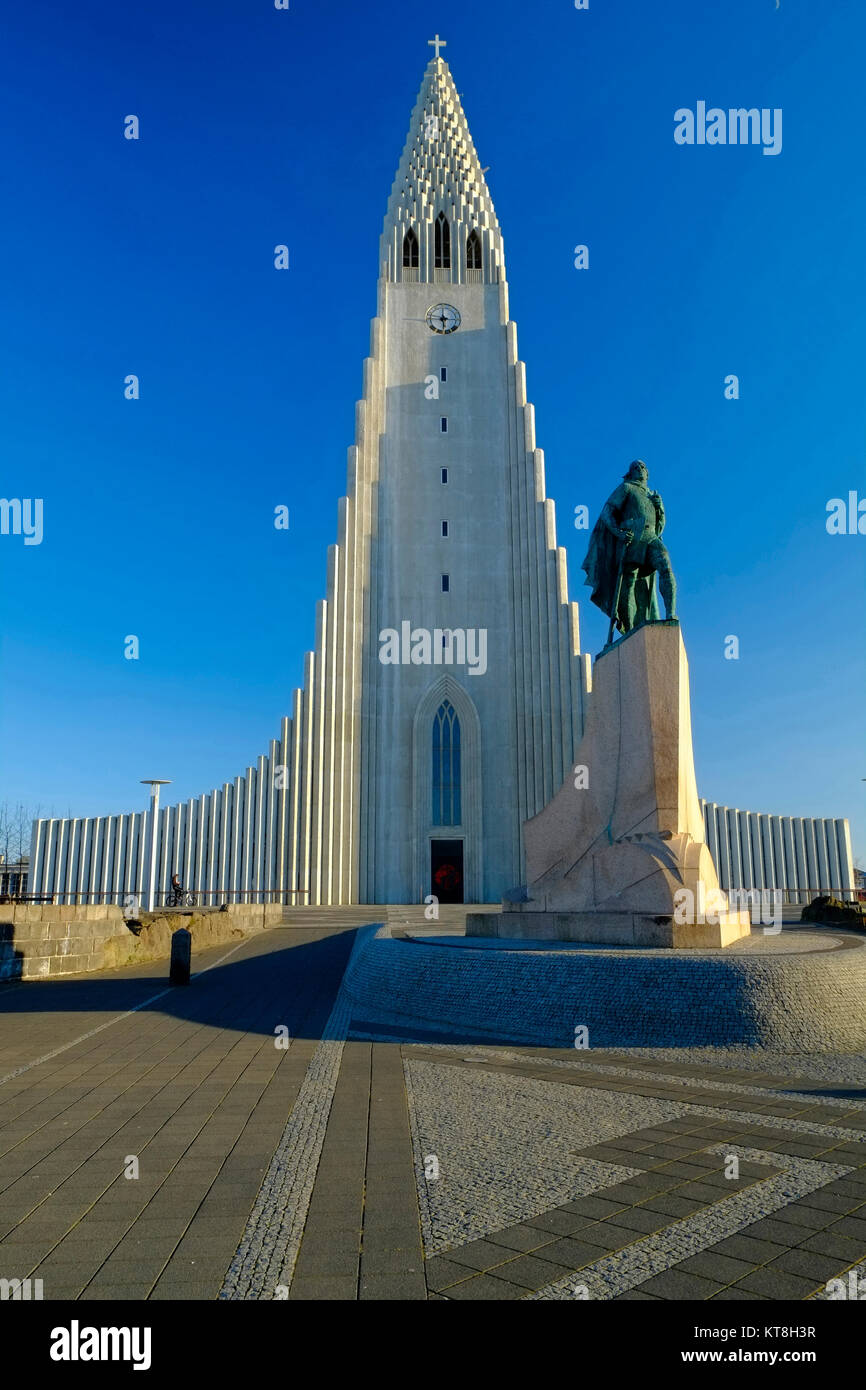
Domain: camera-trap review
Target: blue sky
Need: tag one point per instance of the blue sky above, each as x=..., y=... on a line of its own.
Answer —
x=261, y=127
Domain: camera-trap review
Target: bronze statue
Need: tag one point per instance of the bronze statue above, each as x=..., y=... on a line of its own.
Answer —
x=626, y=552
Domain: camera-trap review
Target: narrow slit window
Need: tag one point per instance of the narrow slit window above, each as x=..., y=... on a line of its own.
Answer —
x=444, y=475
x=443, y=424
x=443, y=373
x=410, y=249
x=445, y=528
x=473, y=251
x=446, y=584
x=441, y=243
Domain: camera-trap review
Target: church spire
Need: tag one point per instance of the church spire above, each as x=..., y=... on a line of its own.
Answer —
x=440, y=197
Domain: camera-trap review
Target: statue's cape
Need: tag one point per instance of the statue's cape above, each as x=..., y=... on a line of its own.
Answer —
x=602, y=567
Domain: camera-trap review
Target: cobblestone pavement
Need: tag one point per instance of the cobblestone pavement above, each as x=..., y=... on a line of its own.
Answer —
x=358, y=1162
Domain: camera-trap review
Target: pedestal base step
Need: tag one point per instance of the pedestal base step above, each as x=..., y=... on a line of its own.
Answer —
x=611, y=928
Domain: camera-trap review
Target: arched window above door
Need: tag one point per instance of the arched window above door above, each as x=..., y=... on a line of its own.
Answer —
x=446, y=766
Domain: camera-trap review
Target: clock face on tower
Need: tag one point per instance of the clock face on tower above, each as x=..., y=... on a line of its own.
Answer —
x=443, y=318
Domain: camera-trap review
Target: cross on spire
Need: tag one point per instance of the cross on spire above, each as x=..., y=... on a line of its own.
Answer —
x=437, y=43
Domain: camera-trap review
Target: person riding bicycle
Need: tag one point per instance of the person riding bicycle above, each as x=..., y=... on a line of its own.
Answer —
x=176, y=895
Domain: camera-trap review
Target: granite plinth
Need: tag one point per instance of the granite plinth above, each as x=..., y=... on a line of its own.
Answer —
x=619, y=855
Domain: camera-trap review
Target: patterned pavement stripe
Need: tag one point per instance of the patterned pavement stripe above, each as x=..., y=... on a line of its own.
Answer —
x=654, y=1254
x=266, y=1255
x=669, y=1078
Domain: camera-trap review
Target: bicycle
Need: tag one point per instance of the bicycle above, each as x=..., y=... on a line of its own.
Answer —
x=180, y=898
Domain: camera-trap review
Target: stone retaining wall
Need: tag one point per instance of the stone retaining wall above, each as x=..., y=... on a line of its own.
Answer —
x=809, y=1001
x=39, y=941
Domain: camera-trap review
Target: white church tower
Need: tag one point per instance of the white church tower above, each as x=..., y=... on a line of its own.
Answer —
x=445, y=696
x=462, y=539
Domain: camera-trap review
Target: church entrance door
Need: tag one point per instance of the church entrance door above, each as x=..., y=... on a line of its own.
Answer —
x=446, y=870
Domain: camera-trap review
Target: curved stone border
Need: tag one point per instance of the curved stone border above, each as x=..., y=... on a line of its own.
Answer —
x=806, y=1002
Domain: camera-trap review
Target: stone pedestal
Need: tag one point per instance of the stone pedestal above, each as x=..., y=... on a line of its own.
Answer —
x=618, y=856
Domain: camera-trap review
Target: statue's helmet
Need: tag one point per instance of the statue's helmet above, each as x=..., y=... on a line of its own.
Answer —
x=636, y=468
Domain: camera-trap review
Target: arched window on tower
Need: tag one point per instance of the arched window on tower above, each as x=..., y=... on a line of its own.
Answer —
x=410, y=249
x=441, y=243
x=473, y=251
x=446, y=765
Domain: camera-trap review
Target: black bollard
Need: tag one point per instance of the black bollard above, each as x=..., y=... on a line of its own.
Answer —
x=181, y=956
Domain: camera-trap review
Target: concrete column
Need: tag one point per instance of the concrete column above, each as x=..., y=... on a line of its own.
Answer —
x=812, y=874
x=260, y=826
x=223, y=882
x=236, y=859
x=201, y=843
x=846, y=862
x=38, y=840
x=249, y=811
x=799, y=843
x=824, y=880
x=212, y=853
x=744, y=836
x=276, y=801
x=732, y=817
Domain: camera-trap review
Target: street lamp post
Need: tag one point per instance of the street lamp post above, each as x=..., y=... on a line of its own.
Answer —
x=154, y=783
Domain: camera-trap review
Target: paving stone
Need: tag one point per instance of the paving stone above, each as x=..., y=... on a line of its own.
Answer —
x=573, y=1254
x=773, y=1282
x=486, y=1287
x=808, y=1264
x=784, y=1233
x=715, y=1266
x=826, y=1243
x=701, y=1192
x=673, y=1205
x=641, y=1220
x=101, y=1289
x=393, y=1260
x=607, y=1236
x=330, y=1288
x=442, y=1272
x=594, y=1206
x=560, y=1223
x=737, y=1295
x=852, y=1226
x=833, y=1202
x=806, y=1217
x=524, y=1238
x=479, y=1254
x=532, y=1272
x=676, y=1284
x=394, y=1287
x=750, y=1248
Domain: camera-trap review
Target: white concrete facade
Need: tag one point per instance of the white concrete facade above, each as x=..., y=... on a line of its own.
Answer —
x=798, y=856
